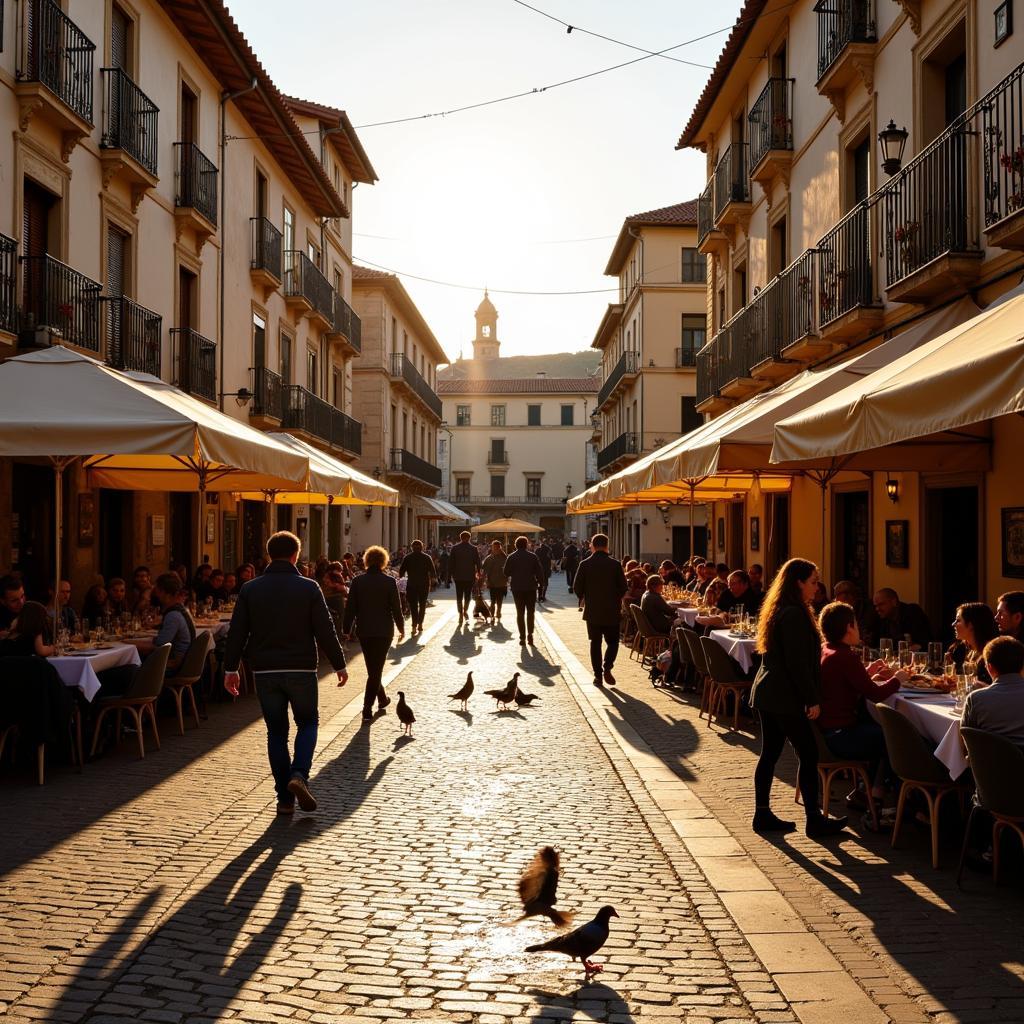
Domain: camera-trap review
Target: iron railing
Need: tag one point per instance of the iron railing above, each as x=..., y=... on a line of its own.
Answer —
x=403, y=461
x=845, y=278
x=511, y=499
x=402, y=366
x=60, y=298
x=624, y=444
x=264, y=247
x=705, y=213
x=8, y=284
x=497, y=458
x=302, y=278
x=267, y=392
x=346, y=432
x=790, y=311
x=347, y=323
x=133, y=335
x=305, y=411
x=195, y=179
x=129, y=118
x=1002, y=119
x=59, y=55
x=732, y=178
x=628, y=362
x=771, y=119
x=686, y=356
x=841, y=22
x=195, y=359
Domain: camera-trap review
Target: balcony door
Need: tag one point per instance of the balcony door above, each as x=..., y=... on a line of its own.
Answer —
x=118, y=263
x=39, y=207
x=188, y=113
x=120, y=39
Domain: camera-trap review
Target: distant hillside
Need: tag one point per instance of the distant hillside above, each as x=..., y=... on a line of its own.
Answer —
x=558, y=364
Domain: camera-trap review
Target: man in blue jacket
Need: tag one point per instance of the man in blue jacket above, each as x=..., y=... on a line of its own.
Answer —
x=280, y=625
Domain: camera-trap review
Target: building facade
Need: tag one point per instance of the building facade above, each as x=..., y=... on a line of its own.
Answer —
x=649, y=340
x=828, y=229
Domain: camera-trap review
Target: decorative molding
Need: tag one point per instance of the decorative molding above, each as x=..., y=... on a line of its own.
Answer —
x=912, y=9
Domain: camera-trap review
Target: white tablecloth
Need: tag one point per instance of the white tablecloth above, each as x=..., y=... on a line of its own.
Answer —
x=740, y=649
x=80, y=670
x=933, y=716
x=687, y=615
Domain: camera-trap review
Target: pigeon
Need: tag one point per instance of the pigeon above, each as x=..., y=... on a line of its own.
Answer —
x=405, y=715
x=505, y=696
x=538, y=886
x=465, y=693
x=581, y=943
x=524, y=700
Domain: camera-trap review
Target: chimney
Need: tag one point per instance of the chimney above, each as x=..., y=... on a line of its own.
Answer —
x=542, y=373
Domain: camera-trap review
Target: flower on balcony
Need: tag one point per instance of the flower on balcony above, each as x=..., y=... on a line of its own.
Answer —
x=1013, y=161
x=905, y=237
x=66, y=310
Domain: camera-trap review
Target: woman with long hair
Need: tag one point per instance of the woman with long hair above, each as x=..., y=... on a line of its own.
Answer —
x=29, y=633
x=787, y=695
x=973, y=626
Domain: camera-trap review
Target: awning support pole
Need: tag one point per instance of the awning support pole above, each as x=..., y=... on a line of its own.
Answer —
x=60, y=463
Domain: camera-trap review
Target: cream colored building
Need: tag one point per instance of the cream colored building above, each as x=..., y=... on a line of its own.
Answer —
x=817, y=250
x=649, y=341
x=514, y=446
x=170, y=211
x=395, y=387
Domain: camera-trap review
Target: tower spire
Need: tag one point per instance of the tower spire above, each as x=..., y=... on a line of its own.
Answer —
x=486, y=344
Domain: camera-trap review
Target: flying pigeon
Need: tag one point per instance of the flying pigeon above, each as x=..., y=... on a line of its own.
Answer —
x=505, y=696
x=524, y=700
x=538, y=886
x=465, y=693
x=581, y=943
x=405, y=715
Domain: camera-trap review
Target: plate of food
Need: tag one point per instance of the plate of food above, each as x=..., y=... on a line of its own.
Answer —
x=920, y=684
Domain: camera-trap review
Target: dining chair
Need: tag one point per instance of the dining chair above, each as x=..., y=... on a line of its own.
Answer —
x=652, y=642
x=692, y=640
x=686, y=663
x=997, y=764
x=919, y=769
x=831, y=768
x=188, y=675
x=726, y=679
x=138, y=700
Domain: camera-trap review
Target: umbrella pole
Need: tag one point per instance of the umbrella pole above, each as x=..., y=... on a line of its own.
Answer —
x=202, y=508
x=60, y=463
x=693, y=491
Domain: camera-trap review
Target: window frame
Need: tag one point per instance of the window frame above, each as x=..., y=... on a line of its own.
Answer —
x=693, y=260
x=529, y=415
x=499, y=414
x=463, y=415
x=572, y=415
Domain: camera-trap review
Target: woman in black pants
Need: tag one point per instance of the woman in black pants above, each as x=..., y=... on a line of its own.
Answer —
x=376, y=609
x=787, y=695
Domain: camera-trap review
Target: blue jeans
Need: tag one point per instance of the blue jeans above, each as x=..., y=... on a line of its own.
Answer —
x=276, y=691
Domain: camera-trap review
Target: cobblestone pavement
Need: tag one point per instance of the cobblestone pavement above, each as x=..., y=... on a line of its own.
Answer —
x=166, y=890
x=922, y=949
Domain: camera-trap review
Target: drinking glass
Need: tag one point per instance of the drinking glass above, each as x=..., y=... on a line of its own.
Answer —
x=885, y=649
x=920, y=662
x=934, y=656
x=961, y=692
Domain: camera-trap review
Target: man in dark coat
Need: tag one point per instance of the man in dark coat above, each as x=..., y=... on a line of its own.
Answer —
x=419, y=567
x=443, y=559
x=544, y=556
x=570, y=562
x=464, y=563
x=601, y=584
x=525, y=577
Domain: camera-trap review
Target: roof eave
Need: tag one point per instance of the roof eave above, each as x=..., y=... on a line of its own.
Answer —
x=392, y=284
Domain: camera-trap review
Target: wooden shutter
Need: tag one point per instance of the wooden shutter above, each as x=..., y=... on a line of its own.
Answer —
x=120, y=31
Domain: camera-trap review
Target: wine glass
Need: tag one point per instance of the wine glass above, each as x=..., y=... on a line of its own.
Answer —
x=934, y=656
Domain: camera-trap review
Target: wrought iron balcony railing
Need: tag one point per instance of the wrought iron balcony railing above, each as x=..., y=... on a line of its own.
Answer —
x=195, y=181
x=511, y=499
x=59, y=55
x=627, y=363
x=402, y=367
x=841, y=22
x=347, y=323
x=265, y=247
x=303, y=279
x=346, y=432
x=686, y=356
x=58, y=297
x=133, y=335
x=771, y=119
x=267, y=393
x=305, y=411
x=8, y=284
x=624, y=444
x=497, y=458
x=845, y=277
x=195, y=359
x=1002, y=135
x=403, y=461
x=129, y=119
x=732, y=178
x=705, y=213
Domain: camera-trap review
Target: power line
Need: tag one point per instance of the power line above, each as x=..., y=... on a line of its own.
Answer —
x=534, y=241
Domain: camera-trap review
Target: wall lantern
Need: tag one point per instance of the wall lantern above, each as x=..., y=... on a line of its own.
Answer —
x=893, y=141
x=892, y=488
x=664, y=508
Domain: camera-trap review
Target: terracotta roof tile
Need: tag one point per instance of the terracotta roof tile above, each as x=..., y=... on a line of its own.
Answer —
x=680, y=213
x=521, y=386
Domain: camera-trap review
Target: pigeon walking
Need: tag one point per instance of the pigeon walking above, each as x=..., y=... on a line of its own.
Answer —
x=581, y=943
x=405, y=715
x=465, y=693
x=524, y=700
x=505, y=696
x=538, y=886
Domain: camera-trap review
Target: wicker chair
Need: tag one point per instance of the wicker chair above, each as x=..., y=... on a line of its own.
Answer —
x=725, y=680
x=189, y=674
x=139, y=700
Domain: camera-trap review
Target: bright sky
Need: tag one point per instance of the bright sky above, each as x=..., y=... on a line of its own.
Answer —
x=520, y=195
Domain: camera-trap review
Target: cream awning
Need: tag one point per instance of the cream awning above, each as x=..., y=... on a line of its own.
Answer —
x=928, y=409
x=437, y=508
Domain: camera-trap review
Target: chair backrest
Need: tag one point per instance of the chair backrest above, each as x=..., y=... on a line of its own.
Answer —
x=643, y=623
x=191, y=669
x=634, y=614
x=149, y=680
x=998, y=767
x=685, y=654
x=696, y=650
x=721, y=667
x=825, y=756
x=908, y=753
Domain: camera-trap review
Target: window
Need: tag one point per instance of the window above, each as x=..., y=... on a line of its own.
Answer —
x=338, y=387
x=289, y=230
x=311, y=376
x=497, y=485
x=462, y=415
x=690, y=419
x=694, y=267
x=486, y=332
x=498, y=455
x=533, y=487
x=497, y=415
x=286, y=358
x=462, y=488
x=442, y=448
x=568, y=415
x=259, y=341
x=694, y=337
x=533, y=415
x=120, y=39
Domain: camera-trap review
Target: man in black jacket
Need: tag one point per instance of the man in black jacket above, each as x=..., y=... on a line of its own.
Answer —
x=419, y=567
x=571, y=562
x=464, y=564
x=601, y=583
x=544, y=556
x=279, y=622
x=525, y=577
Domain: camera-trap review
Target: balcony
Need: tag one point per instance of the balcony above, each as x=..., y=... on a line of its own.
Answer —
x=264, y=255
x=403, y=372
x=404, y=463
x=133, y=335
x=686, y=358
x=792, y=320
x=346, y=433
x=309, y=416
x=1002, y=120
x=346, y=327
x=847, y=310
x=55, y=73
x=306, y=291
x=846, y=48
x=267, y=409
x=622, y=450
x=8, y=285
x=771, y=132
x=128, y=145
x=497, y=458
x=627, y=367
x=195, y=191
x=709, y=239
x=732, y=187
x=510, y=500
x=195, y=359
x=59, y=299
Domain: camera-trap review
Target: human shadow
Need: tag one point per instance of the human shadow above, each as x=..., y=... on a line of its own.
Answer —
x=673, y=740
x=534, y=662
x=348, y=777
x=462, y=645
x=593, y=1001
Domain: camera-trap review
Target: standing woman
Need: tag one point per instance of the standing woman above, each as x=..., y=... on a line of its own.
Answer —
x=497, y=581
x=787, y=695
x=376, y=609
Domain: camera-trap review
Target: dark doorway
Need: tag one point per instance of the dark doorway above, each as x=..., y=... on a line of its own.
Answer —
x=852, y=557
x=951, y=543
x=681, y=542
x=255, y=517
x=228, y=541
x=115, y=533
x=316, y=532
x=335, y=525
x=182, y=532
x=776, y=532
x=32, y=527
x=735, y=552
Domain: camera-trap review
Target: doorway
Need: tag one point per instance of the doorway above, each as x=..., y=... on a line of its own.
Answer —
x=182, y=532
x=951, y=551
x=32, y=527
x=735, y=552
x=681, y=542
x=115, y=531
x=851, y=559
x=777, y=544
x=255, y=515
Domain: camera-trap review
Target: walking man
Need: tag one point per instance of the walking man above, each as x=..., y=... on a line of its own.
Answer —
x=600, y=583
x=464, y=564
x=544, y=557
x=279, y=622
x=525, y=578
x=419, y=567
x=571, y=562
x=442, y=566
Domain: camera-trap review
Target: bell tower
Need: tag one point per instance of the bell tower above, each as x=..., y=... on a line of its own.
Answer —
x=486, y=344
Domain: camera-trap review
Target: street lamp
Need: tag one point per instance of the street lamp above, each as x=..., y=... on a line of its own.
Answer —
x=894, y=141
x=664, y=508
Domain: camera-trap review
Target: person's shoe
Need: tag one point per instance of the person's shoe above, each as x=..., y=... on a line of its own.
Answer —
x=285, y=808
x=367, y=716
x=766, y=821
x=608, y=677
x=522, y=641
x=298, y=788
x=822, y=827
x=382, y=705
x=598, y=681
x=529, y=639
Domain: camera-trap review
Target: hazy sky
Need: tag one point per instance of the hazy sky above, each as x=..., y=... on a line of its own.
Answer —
x=503, y=195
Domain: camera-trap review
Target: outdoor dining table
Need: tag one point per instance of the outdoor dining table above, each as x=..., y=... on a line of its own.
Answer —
x=934, y=716
x=685, y=614
x=80, y=670
x=740, y=648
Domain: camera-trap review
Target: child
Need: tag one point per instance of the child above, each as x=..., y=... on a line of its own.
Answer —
x=481, y=610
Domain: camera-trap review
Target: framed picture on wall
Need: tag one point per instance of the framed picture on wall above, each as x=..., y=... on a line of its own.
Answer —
x=86, y=519
x=211, y=526
x=1013, y=542
x=897, y=545
x=721, y=534
x=755, y=533
x=1003, y=21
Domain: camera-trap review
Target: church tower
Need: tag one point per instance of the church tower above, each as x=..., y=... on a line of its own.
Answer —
x=486, y=344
